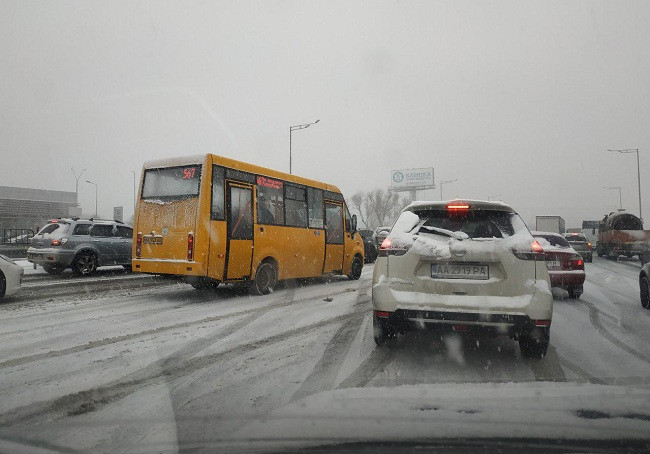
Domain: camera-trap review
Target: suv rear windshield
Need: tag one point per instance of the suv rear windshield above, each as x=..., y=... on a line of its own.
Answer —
x=474, y=223
x=172, y=182
x=53, y=230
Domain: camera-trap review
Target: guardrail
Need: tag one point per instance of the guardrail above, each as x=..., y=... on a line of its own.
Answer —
x=16, y=236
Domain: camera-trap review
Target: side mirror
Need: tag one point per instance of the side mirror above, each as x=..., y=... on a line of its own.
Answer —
x=354, y=222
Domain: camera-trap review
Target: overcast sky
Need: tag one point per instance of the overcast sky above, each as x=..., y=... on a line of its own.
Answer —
x=516, y=99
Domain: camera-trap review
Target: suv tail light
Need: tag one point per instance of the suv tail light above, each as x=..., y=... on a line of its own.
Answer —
x=190, y=246
x=536, y=252
x=387, y=249
x=138, y=245
x=56, y=243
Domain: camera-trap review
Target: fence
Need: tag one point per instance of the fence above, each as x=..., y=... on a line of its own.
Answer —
x=16, y=236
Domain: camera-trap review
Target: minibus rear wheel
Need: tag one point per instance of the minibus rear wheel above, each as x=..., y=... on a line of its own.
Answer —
x=266, y=277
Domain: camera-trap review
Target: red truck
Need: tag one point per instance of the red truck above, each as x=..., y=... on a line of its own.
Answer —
x=621, y=233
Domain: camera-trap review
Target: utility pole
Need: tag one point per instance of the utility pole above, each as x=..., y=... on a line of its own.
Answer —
x=443, y=183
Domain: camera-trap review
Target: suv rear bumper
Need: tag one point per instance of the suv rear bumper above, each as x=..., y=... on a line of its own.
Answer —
x=512, y=325
x=50, y=256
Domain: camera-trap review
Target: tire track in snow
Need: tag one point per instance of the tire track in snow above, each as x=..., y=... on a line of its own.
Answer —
x=112, y=340
x=594, y=318
x=547, y=368
x=161, y=371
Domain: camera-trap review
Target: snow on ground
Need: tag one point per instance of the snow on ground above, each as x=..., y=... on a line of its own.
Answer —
x=159, y=368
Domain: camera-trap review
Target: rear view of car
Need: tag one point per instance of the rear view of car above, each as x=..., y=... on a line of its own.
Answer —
x=469, y=266
x=369, y=245
x=565, y=266
x=81, y=244
x=580, y=244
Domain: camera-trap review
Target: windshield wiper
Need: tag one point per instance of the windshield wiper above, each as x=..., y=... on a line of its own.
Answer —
x=457, y=235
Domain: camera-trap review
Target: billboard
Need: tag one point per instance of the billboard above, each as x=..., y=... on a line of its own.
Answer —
x=412, y=178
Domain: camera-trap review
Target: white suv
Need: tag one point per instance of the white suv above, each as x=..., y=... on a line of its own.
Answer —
x=463, y=265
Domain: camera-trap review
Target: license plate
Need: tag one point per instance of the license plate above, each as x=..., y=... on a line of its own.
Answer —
x=553, y=264
x=150, y=239
x=460, y=271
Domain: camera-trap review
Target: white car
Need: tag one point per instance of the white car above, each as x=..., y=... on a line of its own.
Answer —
x=469, y=266
x=11, y=275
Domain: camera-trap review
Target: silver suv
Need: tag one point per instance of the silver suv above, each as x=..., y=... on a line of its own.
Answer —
x=81, y=244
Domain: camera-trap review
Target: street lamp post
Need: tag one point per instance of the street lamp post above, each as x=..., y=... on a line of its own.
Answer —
x=94, y=184
x=296, y=128
x=445, y=182
x=638, y=172
x=620, y=199
x=76, y=188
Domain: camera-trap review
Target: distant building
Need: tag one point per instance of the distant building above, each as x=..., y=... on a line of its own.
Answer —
x=26, y=208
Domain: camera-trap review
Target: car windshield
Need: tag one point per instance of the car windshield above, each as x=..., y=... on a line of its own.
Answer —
x=312, y=225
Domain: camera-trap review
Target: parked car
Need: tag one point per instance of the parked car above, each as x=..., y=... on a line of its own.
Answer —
x=644, y=285
x=11, y=276
x=81, y=244
x=369, y=245
x=380, y=235
x=581, y=245
x=565, y=266
x=463, y=266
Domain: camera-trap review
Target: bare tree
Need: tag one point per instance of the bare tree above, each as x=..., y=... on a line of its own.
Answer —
x=378, y=207
x=358, y=203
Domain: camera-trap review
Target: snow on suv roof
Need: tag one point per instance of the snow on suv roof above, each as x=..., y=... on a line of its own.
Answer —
x=480, y=204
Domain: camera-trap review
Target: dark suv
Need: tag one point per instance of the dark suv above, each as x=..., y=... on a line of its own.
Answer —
x=81, y=244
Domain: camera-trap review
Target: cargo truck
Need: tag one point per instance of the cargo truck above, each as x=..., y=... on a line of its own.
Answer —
x=553, y=224
x=621, y=233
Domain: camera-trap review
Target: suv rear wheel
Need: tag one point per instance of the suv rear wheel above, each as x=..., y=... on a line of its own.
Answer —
x=535, y=344
x=53, y=269
x=382, y=330
x=85, y=263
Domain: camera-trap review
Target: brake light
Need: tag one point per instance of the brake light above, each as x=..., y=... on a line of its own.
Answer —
x=536, y=252
x=382, y=314
x=541, y=323
x=56, y=243
x=138, y=245
x=576, y=263
x=387, y=249
x=190, y=247
x=589, y=245
x=457, y=207
x=54, y=221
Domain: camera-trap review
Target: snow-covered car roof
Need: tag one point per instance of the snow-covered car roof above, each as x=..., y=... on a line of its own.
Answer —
x=473, y=204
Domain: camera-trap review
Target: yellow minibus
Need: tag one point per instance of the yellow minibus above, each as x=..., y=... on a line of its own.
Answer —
x=211, y=219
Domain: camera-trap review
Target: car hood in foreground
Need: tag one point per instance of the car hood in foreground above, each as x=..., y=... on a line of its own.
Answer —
x=532, y=414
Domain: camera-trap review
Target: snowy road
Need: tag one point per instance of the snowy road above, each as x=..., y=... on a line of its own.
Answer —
x=86, y=361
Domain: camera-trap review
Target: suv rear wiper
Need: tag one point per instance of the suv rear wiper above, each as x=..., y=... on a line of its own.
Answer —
x=457, y=235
